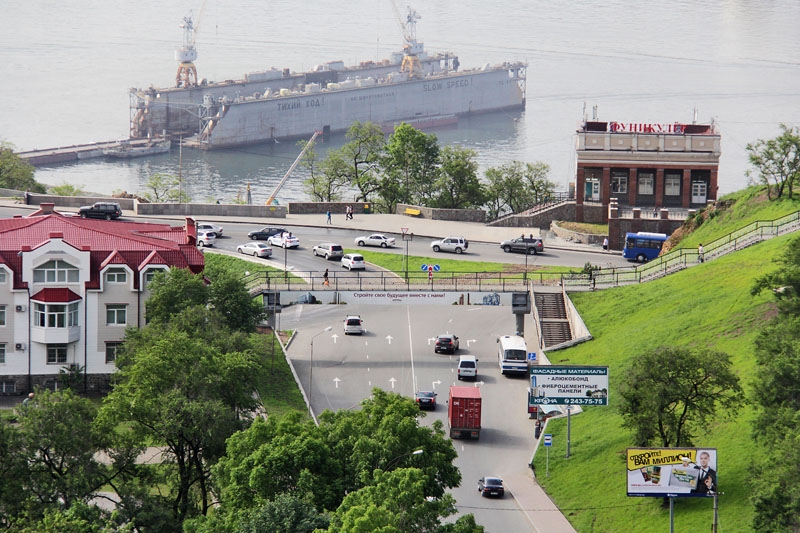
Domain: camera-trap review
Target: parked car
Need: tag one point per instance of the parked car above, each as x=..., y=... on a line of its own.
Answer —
x=451, y=244
x=255, y=248
x=446, y=344
x=265, y=233
x=376, y=239
x=425, y=399
x=353, y=262
x=208, y=226
x=206, y=238
x=106, y=210
x=491, y=486
x=526, y=245
x=284, y=240
x=307, y=298
x=353, y=325
x=328, y=250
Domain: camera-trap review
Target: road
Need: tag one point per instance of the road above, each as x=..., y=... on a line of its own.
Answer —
x=396, y=354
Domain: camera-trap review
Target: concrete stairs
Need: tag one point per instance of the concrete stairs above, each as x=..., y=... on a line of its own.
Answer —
x=552, y=318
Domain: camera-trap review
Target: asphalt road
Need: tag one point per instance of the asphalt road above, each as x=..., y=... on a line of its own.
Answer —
x=396, y=354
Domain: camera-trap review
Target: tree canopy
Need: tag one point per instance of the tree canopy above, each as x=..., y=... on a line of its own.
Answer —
x=777, y=161
x=670, y=394
x=15, y=172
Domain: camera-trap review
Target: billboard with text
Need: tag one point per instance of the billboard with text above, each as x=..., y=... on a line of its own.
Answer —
x=672, y=472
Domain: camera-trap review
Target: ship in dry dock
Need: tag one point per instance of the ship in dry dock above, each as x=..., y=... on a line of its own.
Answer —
x=277, y=104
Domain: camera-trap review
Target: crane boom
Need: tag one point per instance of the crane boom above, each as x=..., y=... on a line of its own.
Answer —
x=309, y=144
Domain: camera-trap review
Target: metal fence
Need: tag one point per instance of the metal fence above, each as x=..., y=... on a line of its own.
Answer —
x=682, y=258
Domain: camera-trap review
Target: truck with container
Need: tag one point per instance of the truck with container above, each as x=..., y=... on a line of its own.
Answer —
x=464, y=412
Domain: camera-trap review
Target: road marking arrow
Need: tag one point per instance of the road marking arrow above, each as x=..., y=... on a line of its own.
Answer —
x=334, y=337
x=389, y=338
x=392, y=381
x=471, y=341
x=337, y=380
x=437, y=382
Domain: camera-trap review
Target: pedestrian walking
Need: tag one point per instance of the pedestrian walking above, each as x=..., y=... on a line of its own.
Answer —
x=325, y=278
x=605, y=243
x=328, y=214
x=700, y=253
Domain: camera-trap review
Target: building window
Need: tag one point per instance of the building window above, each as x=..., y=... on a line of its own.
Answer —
x=8, y=386
x=116, y=275
x=646, y=181
x=56, y=354
x=116, y=315
x=2, y=354
x=112, y=348
x=55, y=315
x=2, y=315
x=56, y=271
x=2, y=276
x=619, y=182
x=672, y=184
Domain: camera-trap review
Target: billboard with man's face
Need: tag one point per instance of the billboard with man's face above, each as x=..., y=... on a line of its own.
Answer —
x=672, y=472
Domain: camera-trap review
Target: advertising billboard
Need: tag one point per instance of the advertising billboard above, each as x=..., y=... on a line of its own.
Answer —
x=568, y=385
x=672, y=472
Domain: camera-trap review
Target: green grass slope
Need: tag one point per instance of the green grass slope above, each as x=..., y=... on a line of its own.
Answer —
x=708, y=305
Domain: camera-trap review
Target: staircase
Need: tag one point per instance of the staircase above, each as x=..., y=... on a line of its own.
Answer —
x=552, y=318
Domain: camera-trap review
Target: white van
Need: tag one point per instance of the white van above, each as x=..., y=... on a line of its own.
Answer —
x=512, y=354
x=467, y=367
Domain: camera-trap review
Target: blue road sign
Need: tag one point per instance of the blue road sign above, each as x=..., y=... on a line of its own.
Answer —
x=531, y=356
x=548, y=439
x=436, y=268
x=424, y=268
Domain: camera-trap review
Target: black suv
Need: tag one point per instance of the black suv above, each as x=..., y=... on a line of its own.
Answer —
x=265, y=233
x=106, y=210
x=525, y=245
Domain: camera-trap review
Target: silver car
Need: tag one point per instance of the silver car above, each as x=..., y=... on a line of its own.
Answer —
x=255, y=248
x=328, y=250
x=451, y=244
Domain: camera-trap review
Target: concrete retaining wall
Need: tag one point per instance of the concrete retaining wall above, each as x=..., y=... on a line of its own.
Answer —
x=453, y=215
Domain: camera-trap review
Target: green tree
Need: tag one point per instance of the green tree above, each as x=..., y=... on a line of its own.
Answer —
x=326, y=178
x=173, y=291
x=411, y=164
x=777, y=161
x=231, y=301
x=785, y=282
x=164, y=188
x=668, y=395
x=515, y=187
x=362, y=153
x=182, y=393
x=395, y=503
x=458, y=186
x=15, y=172
x=347, y=451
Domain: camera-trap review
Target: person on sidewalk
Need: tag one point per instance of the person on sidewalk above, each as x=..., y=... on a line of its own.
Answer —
x=700, y=253
x=328, y=214
x=325, y=278
x=605, y=244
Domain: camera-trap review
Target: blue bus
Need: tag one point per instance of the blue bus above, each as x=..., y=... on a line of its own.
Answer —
x=643, y=246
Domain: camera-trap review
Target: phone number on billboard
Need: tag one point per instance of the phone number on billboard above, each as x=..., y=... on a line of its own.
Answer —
x=568, y=401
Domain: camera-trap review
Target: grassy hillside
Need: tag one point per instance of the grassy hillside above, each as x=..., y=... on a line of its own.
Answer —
x=705, y=306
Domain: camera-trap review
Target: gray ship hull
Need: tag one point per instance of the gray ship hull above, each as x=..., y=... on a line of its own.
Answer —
x=295, y=115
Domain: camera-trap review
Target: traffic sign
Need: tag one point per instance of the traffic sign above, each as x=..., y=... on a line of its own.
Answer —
x=424, y=268
x=404, y=230
x=548, y=439
x=531, y=356
x=436, y=268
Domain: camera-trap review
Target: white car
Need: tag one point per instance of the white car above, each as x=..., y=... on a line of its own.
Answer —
x=208, y=226
x=353, y=262
x=376, y=239
x=255, y=248
x=206, y=238
x=451, y=244
x=353, y=325
x=284, y=240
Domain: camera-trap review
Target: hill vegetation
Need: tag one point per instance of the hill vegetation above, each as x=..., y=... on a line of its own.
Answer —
x=705, y=307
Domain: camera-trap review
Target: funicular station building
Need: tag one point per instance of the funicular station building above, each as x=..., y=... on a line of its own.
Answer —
x=652, y=175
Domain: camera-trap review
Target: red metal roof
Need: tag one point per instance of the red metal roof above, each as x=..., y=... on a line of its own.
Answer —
x=56, y=295
x=117, y=242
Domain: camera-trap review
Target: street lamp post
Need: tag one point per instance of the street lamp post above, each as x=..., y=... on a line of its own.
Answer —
x=311, y=369
x=393, y=461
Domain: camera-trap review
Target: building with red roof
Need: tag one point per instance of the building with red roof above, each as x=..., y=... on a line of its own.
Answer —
x=69, y=288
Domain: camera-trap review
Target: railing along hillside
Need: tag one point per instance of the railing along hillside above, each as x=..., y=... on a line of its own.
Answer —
x=682, y=258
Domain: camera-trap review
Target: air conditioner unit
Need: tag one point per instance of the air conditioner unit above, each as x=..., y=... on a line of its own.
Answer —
x=21, y=308
x=20, y=346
